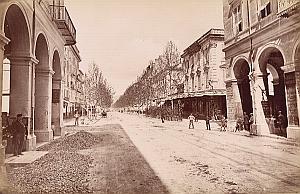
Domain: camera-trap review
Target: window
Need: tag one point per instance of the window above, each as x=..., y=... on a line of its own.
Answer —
x=265, y=10
x=237, y=19
x=193, y=83
x=199, y=81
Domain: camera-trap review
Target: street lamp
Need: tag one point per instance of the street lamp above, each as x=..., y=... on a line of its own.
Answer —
x=211, y=97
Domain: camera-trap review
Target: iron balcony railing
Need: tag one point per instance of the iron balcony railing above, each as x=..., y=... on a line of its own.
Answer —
x=64, y=23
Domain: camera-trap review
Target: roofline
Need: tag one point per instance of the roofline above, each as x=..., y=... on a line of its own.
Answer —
x=212, y=32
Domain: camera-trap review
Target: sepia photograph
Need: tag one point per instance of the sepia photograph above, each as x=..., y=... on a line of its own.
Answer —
x=149, y=96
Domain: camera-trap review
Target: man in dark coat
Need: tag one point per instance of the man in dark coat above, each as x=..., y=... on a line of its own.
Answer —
x=280, y=122
x=18, y=132
x=246, y=122
x=207, y=123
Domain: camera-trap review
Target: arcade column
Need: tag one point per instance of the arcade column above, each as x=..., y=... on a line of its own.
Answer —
x=234, y=105
x=21, y=93
x=43, y=105
x=57, y=107
x=292, y=85
x=238, y=111
x=260, y=125
x=3, y=180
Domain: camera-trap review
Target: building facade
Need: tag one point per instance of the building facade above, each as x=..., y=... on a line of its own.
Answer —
x=32, y=39
x=262, y=51
x=204, y=75
x=165, y=82
x=73, y=83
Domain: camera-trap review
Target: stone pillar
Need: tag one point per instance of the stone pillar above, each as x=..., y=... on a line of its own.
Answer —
x=260, y=125
x=3, y=179
x=43, y=103
x=292, y=84
x=21, y=93
x=234, y=105
x=238, y=110
x=57, y=107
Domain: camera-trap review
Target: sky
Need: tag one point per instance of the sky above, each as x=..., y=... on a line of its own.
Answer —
x=122, y=36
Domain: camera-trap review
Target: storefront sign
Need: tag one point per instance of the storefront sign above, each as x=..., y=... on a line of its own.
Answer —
x=55, y=95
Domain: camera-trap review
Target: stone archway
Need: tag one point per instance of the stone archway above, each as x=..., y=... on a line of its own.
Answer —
x=270, y=62
x=241, y=72
x=57, y=103
x=21, y=66
x=43, y=91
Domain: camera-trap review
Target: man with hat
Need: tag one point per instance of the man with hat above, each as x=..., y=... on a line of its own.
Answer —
x=18, y=132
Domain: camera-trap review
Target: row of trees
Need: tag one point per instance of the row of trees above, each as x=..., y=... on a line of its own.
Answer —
x=161, y=78
x=97, y=90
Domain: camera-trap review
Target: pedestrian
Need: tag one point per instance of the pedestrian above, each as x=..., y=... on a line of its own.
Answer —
x=208, y=123
x=18, y=132
x=162, y=115
x=223, y=123
x=280, y=122
x=76, y=115
x=246, y=122
x=191, y=119
x=239, y=124
x=251, y=121
x=196, y=117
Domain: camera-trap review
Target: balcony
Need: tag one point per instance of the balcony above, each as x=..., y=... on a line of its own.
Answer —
x=287, y=7
x=64, y=23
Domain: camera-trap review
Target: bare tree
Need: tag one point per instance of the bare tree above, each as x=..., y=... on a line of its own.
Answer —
x=162, y=76
x=98, y=92
x=171, y=58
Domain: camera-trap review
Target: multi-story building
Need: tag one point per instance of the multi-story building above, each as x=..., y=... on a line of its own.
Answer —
x=204, y=70
x=73, y=82
x=262, y=52
x=32, y=40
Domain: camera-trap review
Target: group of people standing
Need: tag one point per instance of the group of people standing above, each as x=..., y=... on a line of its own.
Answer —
x=248, y=121
x=245, y=123
x=242, y=123
x=192, y=118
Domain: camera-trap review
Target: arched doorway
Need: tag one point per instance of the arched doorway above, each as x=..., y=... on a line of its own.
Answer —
x=19, y=62
x=270, y=63
x=43, y=91
x=241, y=71
x=57, y=104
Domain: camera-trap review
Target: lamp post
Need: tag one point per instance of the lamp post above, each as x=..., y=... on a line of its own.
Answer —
x=211, y=97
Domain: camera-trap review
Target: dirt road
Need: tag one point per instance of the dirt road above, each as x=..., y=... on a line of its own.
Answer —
x=127, y=153
x=201, y=161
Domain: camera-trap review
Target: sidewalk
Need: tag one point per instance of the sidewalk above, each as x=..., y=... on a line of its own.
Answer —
x=86, y=121
x=30, y=156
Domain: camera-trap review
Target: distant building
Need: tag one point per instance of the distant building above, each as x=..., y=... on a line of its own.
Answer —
x=204, y=75
x=165, y=81
x=73, y=82
x=262, y=52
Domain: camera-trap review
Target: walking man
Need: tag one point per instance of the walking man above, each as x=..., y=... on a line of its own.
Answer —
x=18, y=132
x=280, y=122
x=223, y=123
x=76, y=115
x=207, y=123
x=251, y=121
x=191, y=118
x=162, y=115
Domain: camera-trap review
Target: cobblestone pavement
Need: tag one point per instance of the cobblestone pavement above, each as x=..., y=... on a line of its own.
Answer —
x=201, y=161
